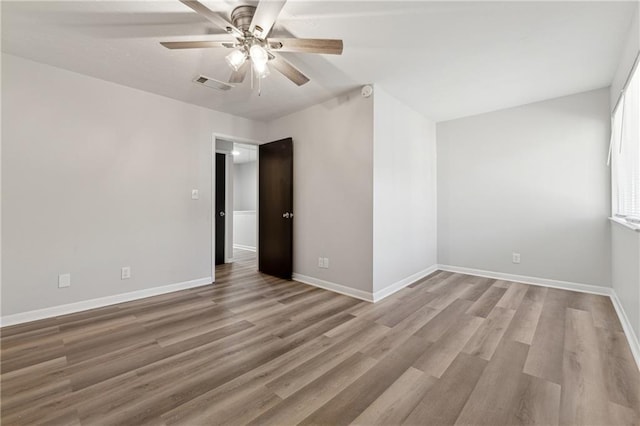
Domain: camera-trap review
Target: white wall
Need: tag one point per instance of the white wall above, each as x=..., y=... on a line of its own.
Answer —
x=333, y=175
x=244, y=229
x=625, y=252
x=244, y=186
x=625, y=243
x=404, y=191
x=627, y=56
x=532, y=180
x=244, y=204
x=96, y=176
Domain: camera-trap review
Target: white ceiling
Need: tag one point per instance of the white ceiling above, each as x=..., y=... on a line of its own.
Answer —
x=445, y=59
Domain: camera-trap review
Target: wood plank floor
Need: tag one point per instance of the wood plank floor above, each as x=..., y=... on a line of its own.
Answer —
x=253, y=349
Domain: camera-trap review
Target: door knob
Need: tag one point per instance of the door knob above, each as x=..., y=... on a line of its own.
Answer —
x=221, y=213
x=285, y=215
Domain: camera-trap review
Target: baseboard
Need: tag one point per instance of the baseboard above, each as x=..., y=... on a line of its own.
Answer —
x=241, y=247
x=399, y=285
x=632, y=339
x=545, y=282
x=365, y=295
x=634, y=345
x=100, y=302
x=337, y=288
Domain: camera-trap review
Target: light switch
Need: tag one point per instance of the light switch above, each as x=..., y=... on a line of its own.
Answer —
x=195, y=194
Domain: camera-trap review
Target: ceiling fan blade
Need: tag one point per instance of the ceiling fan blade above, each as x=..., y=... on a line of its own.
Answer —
x=288, y=70
x=266, y=14
x=196, y=44
x=238, y=76
x=306, y=45
x=212, y=16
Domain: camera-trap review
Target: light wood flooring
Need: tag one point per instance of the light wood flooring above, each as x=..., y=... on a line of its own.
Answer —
x=253, y=349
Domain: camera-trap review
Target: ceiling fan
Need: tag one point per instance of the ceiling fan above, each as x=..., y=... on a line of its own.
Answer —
x=248, y=36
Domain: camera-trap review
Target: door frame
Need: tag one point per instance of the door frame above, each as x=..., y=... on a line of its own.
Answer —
x=228, y=196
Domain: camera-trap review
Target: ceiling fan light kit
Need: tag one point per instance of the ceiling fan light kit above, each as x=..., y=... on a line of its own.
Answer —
x=236, y=59
x=259, y=59
x=251, y=28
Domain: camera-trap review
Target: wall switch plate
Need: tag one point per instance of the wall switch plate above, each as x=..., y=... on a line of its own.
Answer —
x=64, y=280
x=195, y=194
x=515, y=257
x=326, y=262
x=125, y=273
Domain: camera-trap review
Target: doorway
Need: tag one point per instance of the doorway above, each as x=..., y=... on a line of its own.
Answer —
x=223, y=194
x=252, y=206
x=245, y=199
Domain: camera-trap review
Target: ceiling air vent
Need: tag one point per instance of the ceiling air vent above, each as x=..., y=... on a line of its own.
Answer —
x=212, y=83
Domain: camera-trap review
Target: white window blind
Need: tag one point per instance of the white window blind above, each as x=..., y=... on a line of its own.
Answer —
x=625, y=152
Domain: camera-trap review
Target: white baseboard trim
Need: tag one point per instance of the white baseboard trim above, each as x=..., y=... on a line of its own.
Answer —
x=100, y=302
x=399, y=285
x=632, y=339
x=365, y=295
x=545, y=282
x=241, y=247
x=634, y=345
x=337, y=288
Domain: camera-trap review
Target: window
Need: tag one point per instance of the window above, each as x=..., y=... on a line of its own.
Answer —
x=625, y=153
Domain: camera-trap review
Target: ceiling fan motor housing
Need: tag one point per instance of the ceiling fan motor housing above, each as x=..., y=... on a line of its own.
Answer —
x=241, y=17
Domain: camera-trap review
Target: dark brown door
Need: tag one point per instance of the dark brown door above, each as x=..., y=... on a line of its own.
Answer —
x=220, y=206
x=275, y=204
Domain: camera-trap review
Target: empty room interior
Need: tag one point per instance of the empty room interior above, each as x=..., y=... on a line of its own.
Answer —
x=277, y=212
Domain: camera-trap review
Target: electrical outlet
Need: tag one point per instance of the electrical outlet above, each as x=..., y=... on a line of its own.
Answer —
x=125, y=273
x=515, y=257
x=323, y=262
x=64, y=280
x=195, y=194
